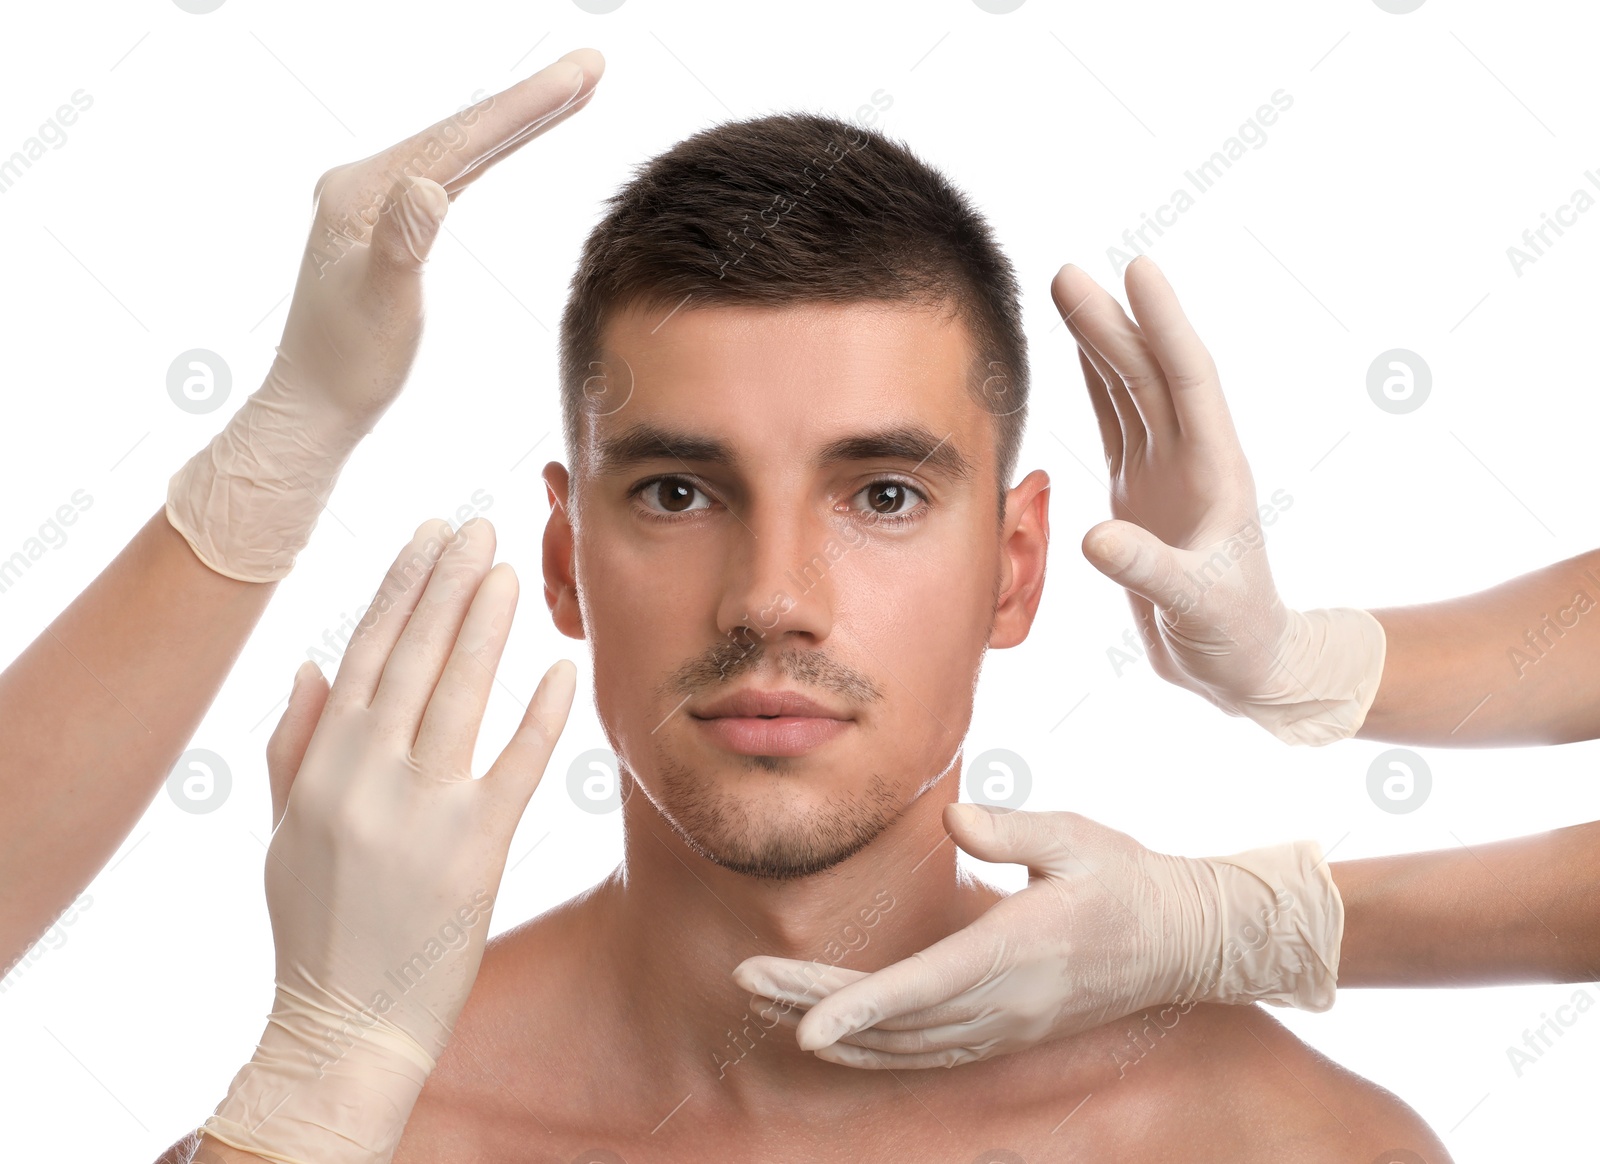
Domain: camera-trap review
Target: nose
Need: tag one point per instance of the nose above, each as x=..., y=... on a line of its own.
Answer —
x=780, y=575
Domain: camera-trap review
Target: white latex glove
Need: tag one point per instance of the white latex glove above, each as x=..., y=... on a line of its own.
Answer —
x=1186, y=538
x=1104, y=929
x=387, y=855
x=247, y=502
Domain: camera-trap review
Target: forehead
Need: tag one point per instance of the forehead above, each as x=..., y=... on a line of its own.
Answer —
x=770, y=380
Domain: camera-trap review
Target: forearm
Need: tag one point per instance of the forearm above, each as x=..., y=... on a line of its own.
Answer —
x=95, y=712
x=1515, y=664
x=1523, y=910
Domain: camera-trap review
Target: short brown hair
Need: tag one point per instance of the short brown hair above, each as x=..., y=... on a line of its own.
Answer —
x=793, y=208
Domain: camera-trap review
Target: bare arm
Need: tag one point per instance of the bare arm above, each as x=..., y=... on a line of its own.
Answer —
x=97, y=709
x=95, y=712
x=1512, y=665
x=1523, y=910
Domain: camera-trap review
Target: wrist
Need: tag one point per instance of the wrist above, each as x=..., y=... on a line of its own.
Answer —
x=319, y=405
x=1327, y=669
x=1280, y=923
x=322, y=1088
x=247, y=503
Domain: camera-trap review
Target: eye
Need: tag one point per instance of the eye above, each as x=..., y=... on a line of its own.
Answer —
x=674, y=495
x=887, y=501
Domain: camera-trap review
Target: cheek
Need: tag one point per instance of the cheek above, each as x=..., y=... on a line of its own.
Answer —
x=639, y=594
x=924, y=620
x=643, y=618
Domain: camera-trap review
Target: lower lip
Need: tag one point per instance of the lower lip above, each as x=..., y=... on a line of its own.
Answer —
x=786, y=735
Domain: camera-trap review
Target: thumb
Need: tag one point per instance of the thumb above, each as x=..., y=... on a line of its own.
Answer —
x=286, y=750
x=1139, y=561
x=1006, y=836
x=407, y=228
x=520, y=766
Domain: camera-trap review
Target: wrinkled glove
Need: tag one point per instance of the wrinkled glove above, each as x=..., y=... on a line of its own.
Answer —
x=1104, y=929
x=248, y=501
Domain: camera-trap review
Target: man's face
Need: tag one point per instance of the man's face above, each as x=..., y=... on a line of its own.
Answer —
x=797, y=500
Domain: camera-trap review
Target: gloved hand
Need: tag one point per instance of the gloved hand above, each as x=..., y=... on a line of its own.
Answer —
x=247, y=502
x=1104, y=929
x=1186, y=539
x=386, y=855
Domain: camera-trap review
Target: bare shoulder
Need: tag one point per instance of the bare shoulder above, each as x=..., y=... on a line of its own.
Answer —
x=1238, y=1081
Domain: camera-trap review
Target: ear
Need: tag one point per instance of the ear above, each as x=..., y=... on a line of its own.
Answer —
x=560, y=590
x=1025, y=542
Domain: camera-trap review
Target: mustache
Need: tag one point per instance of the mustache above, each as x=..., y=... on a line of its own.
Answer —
x=725, y=661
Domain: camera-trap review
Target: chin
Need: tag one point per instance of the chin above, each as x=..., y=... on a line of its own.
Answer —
x=774, y=837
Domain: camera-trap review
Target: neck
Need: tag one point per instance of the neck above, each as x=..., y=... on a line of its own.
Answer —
x=679, y=923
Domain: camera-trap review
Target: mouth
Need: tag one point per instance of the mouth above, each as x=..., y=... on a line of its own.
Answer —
x=756, y=722
x=771, y=735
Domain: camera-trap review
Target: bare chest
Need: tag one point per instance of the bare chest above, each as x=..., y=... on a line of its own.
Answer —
x=891, y=1134
x=596, y=1116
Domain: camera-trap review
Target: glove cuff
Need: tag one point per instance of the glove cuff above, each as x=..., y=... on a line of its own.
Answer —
x=1329, y=668
x=322, y=1088
x=1281, y=923
x=248, y=501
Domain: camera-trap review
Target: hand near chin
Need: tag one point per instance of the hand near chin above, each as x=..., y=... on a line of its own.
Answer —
x=1105, y=928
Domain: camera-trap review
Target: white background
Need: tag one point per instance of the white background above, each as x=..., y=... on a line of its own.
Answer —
x=1377, y=215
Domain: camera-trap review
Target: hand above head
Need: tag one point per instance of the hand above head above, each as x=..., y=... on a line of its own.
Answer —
x=386, y=854
x=1185, y=538
x=1105, y=928
x=356, y=316
x=247, y=503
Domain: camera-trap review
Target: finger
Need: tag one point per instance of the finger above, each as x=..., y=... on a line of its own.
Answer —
x=420, y=653
x=1189, y=371
x=286, y=749
x=1099, y=318
x=789, y=1014
x=793, y=980
x=1004, y=835
x=520, y=766
x=405, y=234
x=455, y=711
x=927, y=978
x=1105, y=413
x=1072, y=301
x=920, y=1041
x=793, y=987
x=1141, y=563
x=380, y=627
x=848, y=1056
x=961, y=1011
x=510, y=147
x=502, y=123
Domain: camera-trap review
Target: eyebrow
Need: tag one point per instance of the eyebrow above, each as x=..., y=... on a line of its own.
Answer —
x=646, y=442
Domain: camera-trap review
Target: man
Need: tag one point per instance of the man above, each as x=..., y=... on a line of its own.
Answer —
x=794, y=384
x=794, y=390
